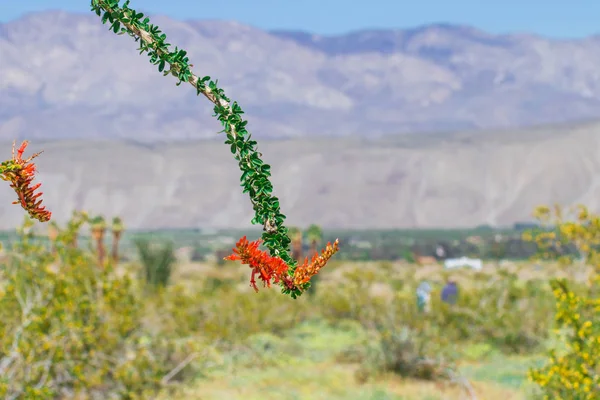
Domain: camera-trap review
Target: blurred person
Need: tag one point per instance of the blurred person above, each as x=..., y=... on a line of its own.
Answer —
x=424, y=297
x=450, y=292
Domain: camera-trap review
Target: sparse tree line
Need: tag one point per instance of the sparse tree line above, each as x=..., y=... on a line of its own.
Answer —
x=514, y=248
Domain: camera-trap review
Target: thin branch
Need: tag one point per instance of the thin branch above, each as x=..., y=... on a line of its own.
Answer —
x=165, y=380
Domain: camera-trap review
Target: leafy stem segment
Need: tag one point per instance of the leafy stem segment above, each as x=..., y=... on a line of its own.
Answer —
x=255, y=173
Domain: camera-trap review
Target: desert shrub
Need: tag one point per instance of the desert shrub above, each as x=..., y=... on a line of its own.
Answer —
x=512, y=315
x=157, y=261
x=573, y=371
x=232, y=315
x=227, y=315
x=419, y=351
x=402, y=340
x=70, y=328
x=501, y=310
x=349, y=297
x=211, y=284
x=406, y=352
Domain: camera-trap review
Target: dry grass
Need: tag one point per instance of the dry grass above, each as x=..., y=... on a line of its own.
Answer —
x=329, y=381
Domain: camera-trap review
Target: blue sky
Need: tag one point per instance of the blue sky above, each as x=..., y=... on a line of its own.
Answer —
x=574, y=18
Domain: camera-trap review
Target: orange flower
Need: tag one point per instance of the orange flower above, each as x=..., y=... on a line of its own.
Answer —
x=274, y=268
x=266, y=267
x=307, y=270
x=20, y=173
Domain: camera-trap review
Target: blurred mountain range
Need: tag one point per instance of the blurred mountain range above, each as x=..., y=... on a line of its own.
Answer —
x=65, y=76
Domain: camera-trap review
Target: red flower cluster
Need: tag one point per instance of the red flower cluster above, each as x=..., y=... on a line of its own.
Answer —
x=274, y=269
x=266, y=267
x=20, y=173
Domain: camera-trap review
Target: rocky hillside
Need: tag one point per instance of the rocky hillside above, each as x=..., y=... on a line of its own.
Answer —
x=445, y=180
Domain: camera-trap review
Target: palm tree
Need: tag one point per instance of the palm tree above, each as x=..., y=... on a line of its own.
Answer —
x=98, y=227
x=296, y=236
x=314, y=235
x=117, y=228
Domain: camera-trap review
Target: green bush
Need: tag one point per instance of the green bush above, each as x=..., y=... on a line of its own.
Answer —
x=416, y=350
x=157, y=261
x=349, y=297
x=70, y=328
x=507, y=313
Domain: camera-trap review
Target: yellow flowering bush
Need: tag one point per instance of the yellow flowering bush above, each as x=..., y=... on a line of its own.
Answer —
x=69, y=328
x=572, y=373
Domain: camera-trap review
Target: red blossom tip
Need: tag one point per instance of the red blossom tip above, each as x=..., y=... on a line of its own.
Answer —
x=20, y=173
